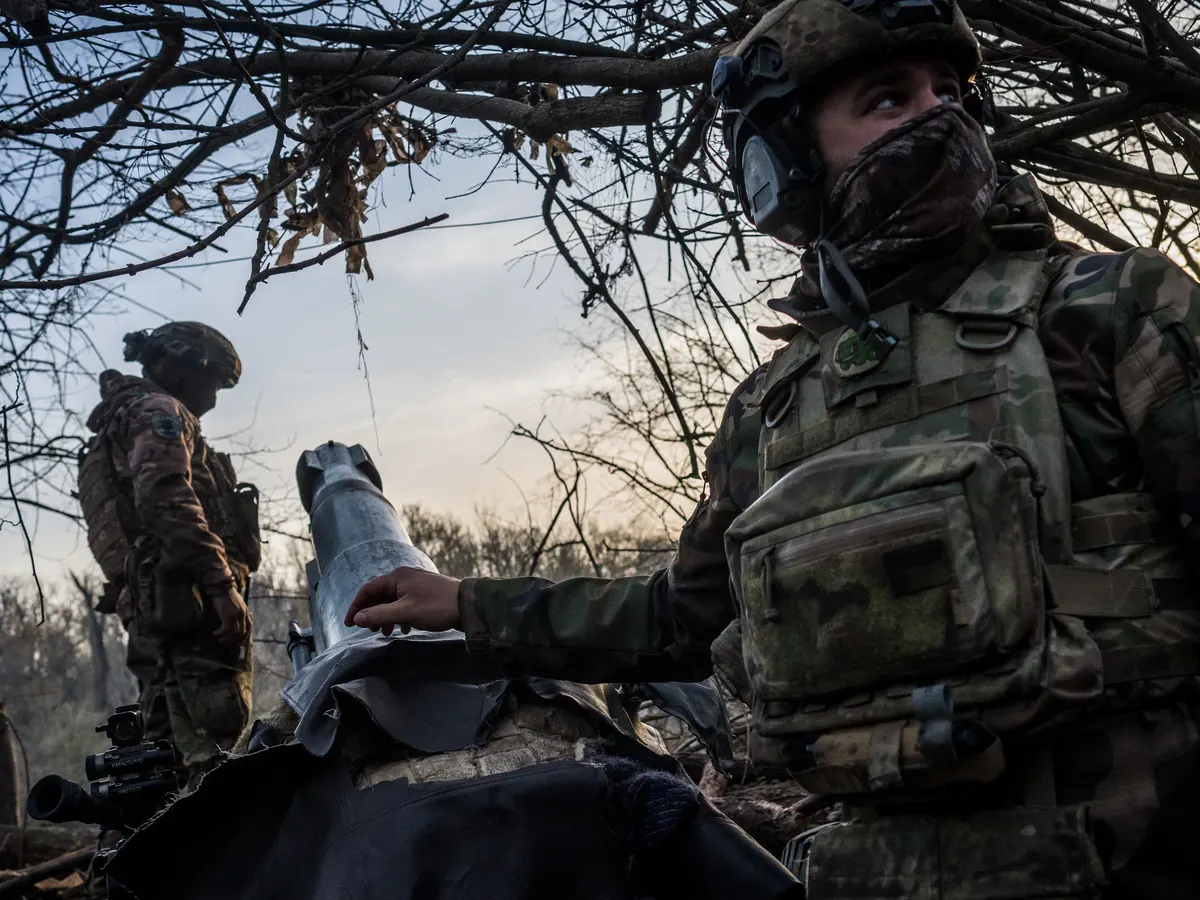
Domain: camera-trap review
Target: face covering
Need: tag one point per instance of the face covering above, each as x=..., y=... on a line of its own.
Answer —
x=914, y=192
x=908, y=212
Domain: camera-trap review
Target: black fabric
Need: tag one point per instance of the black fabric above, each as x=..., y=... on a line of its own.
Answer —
x=711, y=857
x=682, y=847
x=400, y=677
x=654, y=803
x=429, y=716
x=263, y=735
x=281, y=824
x=301, y=831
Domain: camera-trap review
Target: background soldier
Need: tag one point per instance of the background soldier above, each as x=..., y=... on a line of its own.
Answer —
x=986, y=615
x=176, y=536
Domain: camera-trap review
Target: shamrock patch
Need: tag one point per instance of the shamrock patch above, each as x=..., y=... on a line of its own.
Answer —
x=854, y=356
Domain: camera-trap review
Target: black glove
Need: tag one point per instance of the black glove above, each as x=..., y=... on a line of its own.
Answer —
x=683, y=847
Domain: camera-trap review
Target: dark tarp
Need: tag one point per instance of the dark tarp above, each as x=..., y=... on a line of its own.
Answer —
x=286, y=823
x=281, y=824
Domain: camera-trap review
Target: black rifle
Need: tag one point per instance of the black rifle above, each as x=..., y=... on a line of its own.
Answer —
x=128, y=784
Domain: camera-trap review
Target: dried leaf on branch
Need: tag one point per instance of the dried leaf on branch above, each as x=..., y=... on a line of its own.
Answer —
x=334, y=206
x=223, y=198
x=512, y=140
x=411, y=141
x=302, y=224
x=177, y=202
x=556, y=147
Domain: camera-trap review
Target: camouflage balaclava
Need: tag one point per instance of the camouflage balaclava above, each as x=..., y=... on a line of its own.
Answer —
x=908, y=210
x=913, y=191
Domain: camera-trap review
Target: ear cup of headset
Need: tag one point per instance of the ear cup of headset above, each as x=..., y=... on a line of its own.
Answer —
x=777, y=177
x=781, y=192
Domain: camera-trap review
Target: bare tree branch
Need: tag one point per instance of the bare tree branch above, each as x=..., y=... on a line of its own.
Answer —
x=175, y=124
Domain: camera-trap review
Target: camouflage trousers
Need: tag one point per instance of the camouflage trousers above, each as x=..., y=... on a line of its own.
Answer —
x=1110, y=810
x=193, y=691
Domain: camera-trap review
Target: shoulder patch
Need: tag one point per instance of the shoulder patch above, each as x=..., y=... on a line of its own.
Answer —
x=1084, y=277
x=166, y=426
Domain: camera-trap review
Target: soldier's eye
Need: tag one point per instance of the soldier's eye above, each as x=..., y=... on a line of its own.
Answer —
x=950, y=94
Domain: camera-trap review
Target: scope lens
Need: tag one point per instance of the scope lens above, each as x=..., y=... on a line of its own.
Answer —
x=125, y=729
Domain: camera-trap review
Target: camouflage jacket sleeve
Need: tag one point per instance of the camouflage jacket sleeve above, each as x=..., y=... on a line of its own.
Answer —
x=161, y=437
x=655, y=627
x=1124, y=347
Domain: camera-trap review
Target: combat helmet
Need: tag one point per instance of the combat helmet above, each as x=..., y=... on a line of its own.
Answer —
x=192, y=344
x=764, y=83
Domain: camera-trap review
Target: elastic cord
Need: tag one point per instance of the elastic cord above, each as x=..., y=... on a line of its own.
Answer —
x=854, y=312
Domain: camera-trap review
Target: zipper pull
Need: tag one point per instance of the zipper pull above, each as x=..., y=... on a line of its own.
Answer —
x=771, y=612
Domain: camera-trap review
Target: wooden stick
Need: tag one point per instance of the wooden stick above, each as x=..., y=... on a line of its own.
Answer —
x=42, y=871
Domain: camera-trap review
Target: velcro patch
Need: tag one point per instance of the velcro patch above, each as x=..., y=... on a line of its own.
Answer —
x=854, y=356
x=167, y=426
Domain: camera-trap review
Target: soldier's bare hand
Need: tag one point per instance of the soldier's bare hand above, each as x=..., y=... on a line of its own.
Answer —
x=233, y=614
x=406, y=598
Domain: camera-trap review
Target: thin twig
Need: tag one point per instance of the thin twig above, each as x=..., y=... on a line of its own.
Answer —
x=12, y=492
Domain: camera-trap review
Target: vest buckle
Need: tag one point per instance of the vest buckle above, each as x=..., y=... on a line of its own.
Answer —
x=1002, y=335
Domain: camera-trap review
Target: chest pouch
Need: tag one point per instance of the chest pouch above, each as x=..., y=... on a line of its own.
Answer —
x=874, y=569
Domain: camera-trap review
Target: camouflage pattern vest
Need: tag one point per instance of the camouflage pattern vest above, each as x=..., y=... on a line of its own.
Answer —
x=914, y=584
x=232, y=508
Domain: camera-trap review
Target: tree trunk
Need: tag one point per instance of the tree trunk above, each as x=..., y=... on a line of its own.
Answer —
x=99, y=659
x=100, y=665
x=10, y=775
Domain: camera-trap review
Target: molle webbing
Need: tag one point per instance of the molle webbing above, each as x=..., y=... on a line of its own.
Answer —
x=1119, y=593
x=872, y=412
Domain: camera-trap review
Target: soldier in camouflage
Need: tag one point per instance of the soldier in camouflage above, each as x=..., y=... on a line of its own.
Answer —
x=176, y=536
x=948, y=548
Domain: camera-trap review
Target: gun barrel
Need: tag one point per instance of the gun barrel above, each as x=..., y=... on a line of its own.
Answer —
x=54, y=799
x=356, y=534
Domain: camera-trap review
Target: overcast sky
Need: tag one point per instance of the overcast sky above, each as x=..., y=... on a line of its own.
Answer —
x=458, y=339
